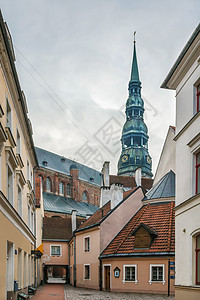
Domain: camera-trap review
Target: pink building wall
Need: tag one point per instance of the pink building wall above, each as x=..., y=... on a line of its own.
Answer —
x=49, y=259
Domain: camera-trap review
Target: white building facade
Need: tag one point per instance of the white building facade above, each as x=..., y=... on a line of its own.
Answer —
x=184, y=78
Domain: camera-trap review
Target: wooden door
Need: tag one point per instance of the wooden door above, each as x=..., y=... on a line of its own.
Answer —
x=107, y=277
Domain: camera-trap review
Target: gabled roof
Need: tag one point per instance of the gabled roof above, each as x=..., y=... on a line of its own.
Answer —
x=62, y=164
x=55, y=228
x=164, y=188
x=148, y=228
x=129, y=181
x=158, y=216
x=59, y=204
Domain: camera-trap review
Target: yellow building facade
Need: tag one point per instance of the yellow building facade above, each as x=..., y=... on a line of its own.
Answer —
x=17, y=162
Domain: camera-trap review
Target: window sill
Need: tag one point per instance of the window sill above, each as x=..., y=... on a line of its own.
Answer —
x=130, y=281
x=157, y=281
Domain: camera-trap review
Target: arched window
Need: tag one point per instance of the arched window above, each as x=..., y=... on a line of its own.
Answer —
x=48, y=184
x=61, y=188
x=198, y=260
x=84, y=197
x=68, y=190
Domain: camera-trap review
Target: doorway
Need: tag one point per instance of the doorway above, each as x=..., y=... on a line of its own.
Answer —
x=107, y=278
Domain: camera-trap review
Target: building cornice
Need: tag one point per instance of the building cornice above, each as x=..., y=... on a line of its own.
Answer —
x=188, y=124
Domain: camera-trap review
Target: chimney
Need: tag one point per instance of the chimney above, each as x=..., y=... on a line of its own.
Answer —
x=138, y=176
x=116, y=191
x=73, y=218
x=105, y=174
x=105, y=195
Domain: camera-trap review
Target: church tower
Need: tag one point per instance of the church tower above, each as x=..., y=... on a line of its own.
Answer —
x=135, y=133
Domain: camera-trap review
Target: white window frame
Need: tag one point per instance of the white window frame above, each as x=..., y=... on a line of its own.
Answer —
x=61, y=183
x=8, y=104
x=18, y=142
x=12, y=171
x=89, y=272
x=151, y=274
x=48, y=190
x=25, y=269
x=124, y=274
x=19, y=268
x=21, y=200
x=87, y=237
x=10, y=267
x=56, y=254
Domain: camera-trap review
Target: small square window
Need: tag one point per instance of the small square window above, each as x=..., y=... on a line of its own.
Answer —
x=87, y=272
x=130, y=273
x=55, y=250
x=156, y=273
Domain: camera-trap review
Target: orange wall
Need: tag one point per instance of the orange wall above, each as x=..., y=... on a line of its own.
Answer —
x=143, y=275
x=55, y=260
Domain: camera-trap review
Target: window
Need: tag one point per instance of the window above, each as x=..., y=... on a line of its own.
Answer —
x=18, y=142
x=29, y=216
x=19, y=268
x=19, y=200
x=61, y=188
x=197, y=173
x=130, y=273
x=198, y=259
x=68, y=190
x=8, y=115
x=10, y=185
x=55, y=250
x=48, y=184
x=25, y=270
x=84, y=196
x=29, y=270
x=86, y=271
x=87, y=244
x=28, y=170
x=156, y=273
x=198, y=97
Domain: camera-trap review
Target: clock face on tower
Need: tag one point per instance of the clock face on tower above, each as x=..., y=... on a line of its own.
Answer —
x=148, y=159
x=124, y=158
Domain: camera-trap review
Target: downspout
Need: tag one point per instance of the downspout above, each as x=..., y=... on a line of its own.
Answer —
x=74, y=273
x=100, y=274
x=35, y=271
x=68, y=270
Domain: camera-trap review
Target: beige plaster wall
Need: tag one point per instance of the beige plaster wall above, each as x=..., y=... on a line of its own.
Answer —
x=49, y=259
x=89, y=257
x=119, y=217
x=143, y=275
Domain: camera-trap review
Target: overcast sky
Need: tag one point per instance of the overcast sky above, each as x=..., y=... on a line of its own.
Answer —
x=74, y=60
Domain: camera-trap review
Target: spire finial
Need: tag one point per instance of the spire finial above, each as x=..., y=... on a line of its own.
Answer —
x=134, y=37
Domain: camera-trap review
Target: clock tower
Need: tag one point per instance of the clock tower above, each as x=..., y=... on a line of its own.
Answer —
x=135, y=137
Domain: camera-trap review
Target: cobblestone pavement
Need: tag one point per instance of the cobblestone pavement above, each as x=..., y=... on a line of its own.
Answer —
x=72, y=293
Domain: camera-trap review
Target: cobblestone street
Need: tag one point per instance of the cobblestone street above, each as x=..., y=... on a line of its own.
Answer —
x=72, y=293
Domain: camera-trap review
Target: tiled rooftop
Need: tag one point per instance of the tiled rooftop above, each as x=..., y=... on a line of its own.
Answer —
x=157, y=216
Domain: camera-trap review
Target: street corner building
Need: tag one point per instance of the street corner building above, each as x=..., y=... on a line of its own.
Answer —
x=184, y=78
x=18, y=267
x=141, y=256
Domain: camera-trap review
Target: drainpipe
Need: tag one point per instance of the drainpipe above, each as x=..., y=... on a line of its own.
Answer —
x=35, y=273
x=68, y=270
x=100, y=274
x=74, y=261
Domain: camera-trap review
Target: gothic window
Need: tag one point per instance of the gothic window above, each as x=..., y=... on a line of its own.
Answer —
x=84, y=197
x=48, y=184
x=68, y=189
x=61, y=188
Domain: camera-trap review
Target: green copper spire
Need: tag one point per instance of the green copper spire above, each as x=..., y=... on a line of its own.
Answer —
x=134, y=71
x=135, y=137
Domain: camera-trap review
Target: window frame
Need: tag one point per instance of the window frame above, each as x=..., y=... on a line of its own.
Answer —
x=20, y=201
x=89, y=278
x=61, y=184
x=12, y=186
x=56, y=254
x=48, y=190
x=84, y=243
x=83, y=199
x=197, y=177
x=8, y=114
x=198, y=98
x=124, y=274
x=197, y=251
x=151, y=274
x=68, y=189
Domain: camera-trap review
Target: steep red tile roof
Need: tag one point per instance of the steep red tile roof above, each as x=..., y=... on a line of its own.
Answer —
x=158, y=216
x=97, y=216
x=58, y=227
x=129, y=181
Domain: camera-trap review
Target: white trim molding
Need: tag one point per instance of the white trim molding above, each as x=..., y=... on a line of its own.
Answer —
x=84, y=238
x=151, y=274
x=124, y=274
x=84, y=272
x=56, y=246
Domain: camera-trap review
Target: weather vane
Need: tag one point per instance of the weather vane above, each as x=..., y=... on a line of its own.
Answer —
x=134, y=37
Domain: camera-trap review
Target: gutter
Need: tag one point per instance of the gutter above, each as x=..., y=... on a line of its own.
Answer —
x=137, y=254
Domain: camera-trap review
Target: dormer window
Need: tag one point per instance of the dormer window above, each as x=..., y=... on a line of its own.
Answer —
x=144, y=236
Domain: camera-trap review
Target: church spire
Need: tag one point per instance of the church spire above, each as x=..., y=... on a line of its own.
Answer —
x=134, y=71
